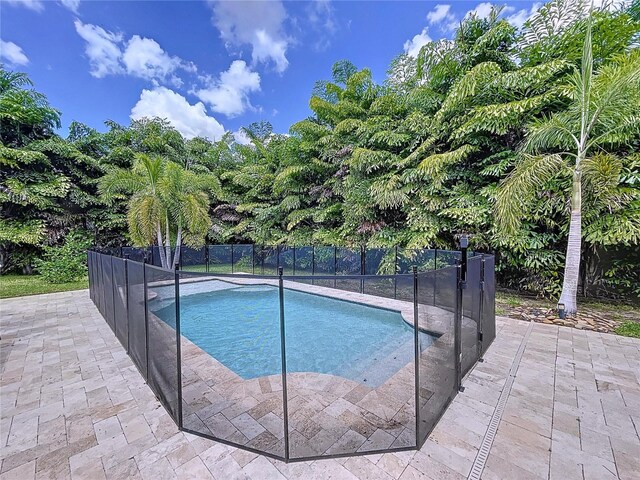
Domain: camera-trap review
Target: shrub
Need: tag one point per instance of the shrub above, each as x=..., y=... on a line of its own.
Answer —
x=65, y=263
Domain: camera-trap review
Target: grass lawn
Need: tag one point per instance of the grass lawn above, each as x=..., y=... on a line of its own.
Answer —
x=20, y=285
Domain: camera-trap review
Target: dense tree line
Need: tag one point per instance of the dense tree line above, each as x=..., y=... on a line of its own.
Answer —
x=473, y=136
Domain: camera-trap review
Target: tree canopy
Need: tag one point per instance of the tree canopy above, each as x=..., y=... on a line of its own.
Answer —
x=469, y=137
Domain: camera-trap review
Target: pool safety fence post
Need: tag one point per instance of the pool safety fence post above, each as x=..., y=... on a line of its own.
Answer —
x=481, y=309
x=313, y=260
x=231, y=258
x=464, y=243
x=283, y=353
x=206, y=258
x=126, y=292
x=416, y=341
x=457, y=329
x=178, y=348
x=146, y=320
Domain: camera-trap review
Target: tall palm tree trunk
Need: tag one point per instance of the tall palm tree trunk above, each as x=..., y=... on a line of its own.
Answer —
x=574, y=247
x=176, y=256
x=163, y=258
x=167, y=244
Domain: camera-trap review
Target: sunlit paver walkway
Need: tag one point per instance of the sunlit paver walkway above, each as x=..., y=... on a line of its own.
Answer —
x=73, y=405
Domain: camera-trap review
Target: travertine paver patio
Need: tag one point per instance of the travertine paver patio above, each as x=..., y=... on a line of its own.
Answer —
x=73, y=405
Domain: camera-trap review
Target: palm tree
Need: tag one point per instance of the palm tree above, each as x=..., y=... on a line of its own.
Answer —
x=602, y=114
x=167, y=202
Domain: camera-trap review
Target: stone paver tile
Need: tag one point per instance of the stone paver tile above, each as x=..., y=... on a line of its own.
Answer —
x=26, y=471
x=498, y=468
x=181, y=455
x=364, y=468
x=123, y=471
x=194, y=469
x=92, y=469
x=431, y=467
x=107, y=429
x=329, y=469
x=158, y=470
x=246, y=424
x=446, y=456
x=263, y=469
x=529, y=458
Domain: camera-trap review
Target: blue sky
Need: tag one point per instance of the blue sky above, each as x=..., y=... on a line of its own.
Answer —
x=210, y=66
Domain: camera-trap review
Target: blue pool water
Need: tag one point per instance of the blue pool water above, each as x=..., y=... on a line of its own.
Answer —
x=240, y=327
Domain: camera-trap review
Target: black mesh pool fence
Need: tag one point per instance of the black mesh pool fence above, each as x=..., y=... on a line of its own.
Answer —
x=300, y=353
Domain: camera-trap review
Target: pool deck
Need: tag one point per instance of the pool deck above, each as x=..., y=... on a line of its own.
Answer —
x=73, y=405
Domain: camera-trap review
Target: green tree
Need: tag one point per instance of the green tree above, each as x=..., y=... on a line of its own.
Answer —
x=168, y=204
x=602, y=116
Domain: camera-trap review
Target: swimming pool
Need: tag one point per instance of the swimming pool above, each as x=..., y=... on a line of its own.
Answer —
x=240, y=327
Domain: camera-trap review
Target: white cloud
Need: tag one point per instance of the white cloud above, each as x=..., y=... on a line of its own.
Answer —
x=102, y=49
x=518, y=18
x=266, y=48
x=140, y=57
x=35, y=5
x=144, y=58
x=229, y=94
x=322, y=21
x=190, y=120
x=71, y=5
x=438, y=14
x=442, y=15
x=241, y=137
x=259, y=24
x=12, y=53
x=412, y=47
x=482, y=10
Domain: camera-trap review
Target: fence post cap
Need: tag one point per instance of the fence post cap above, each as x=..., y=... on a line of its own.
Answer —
x=280, y=271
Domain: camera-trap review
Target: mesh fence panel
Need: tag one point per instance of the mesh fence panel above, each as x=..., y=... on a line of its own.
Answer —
x=156, y=255
x=489, y=303
x=90, y=270
x=350, y=342
x=243, y=258
x=99, y=284
x=350, y=374
x=162, y=366
x=437, y=372
x=349, y=262
x=380, y=261
x=231, y=360
x=220, y=258
x=193, y=259
x=137, y=327
x=286, y=259
x=120, y=296
x=269, y=257
x=107, y=279
x=135, y=253
x=304, y=261
x=324, y=263
x=471, y=314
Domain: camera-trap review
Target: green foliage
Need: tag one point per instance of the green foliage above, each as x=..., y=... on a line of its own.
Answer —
x=629, y=329
x=67, y=262
x=474, y=135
